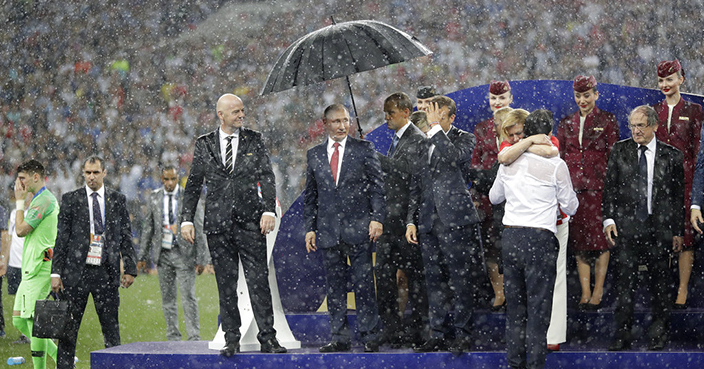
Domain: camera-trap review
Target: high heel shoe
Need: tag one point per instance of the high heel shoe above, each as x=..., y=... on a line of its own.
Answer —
x=498, y=308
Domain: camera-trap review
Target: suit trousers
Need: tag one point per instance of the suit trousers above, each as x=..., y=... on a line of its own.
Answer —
x=226, y=250
x=452, y=269
x=96, y=281
x=175, y=275
x=629, y=253
x=337, y=273
x=393, y=252
x=529, y=256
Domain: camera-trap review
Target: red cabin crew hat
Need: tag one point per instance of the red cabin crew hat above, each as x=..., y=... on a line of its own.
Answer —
x=584, y=83
x=667, y=67
x=499, y=87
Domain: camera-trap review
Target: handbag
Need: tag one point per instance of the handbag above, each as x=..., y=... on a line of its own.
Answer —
x=51, y=319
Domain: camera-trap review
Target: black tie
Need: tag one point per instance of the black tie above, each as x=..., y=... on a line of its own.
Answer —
x=642, y=206
x=172, y=220
x=97, y=215
x=393, y=146
x=228, y=154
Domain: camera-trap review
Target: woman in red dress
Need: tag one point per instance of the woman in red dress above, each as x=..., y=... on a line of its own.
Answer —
x=586, y=138
x=680, y=126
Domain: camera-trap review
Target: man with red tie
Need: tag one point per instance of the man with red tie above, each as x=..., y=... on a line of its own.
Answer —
x=343, y=210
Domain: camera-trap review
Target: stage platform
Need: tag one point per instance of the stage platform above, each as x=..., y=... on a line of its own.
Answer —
x=589, y=335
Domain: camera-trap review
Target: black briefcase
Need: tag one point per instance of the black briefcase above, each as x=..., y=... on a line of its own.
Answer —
x=51, y=319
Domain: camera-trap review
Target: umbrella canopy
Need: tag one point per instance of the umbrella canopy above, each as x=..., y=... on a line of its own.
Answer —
x=340, y=50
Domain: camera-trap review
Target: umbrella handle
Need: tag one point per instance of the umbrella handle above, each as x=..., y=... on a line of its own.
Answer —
x=354, y=107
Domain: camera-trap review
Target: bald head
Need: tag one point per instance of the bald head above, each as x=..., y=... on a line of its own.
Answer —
x=230, y=110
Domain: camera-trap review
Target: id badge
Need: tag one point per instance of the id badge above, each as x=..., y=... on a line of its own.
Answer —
x=95, y=253
x=167, y=239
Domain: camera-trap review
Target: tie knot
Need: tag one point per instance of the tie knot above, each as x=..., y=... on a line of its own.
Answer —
x=643, y=149
x=336, y=145
x=94, y=195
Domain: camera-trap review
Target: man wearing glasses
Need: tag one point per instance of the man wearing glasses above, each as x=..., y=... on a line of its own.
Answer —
x=643, y=212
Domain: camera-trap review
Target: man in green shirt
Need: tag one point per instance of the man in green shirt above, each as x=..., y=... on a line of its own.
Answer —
x=38, y=226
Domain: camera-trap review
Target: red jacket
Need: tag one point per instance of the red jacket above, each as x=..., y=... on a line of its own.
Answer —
x=685, y=131
x=587, y=163
x=485, y=152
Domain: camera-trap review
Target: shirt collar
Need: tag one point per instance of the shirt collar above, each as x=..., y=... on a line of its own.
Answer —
x=651, y=144
x=331, y=142
x=223, y=135
x=403, y=129
x=174, y=192
x=101, y=191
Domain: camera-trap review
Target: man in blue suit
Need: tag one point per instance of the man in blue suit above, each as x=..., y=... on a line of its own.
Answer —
x=698, y=189
x=446, y=220
x=344, y=209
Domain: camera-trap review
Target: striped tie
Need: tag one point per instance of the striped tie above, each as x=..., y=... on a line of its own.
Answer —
x=228, y=155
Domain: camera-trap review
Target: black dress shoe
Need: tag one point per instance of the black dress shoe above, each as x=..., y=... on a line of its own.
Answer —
x=371, y=346
x=620, y=344
x=272, y=346
x=460, y=345
x=656, y=344
x=230, y=349
x=335, y=347
x=432, y=345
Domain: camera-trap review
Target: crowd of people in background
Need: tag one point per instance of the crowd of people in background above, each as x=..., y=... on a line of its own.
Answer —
x=135, y=79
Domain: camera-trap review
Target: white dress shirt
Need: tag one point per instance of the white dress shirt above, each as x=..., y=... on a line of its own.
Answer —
x=341, y=152
x=174, y=205
x=533, y=187
x=223, y=145
x=101, y=202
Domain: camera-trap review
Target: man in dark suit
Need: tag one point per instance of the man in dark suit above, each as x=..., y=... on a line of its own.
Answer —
x=393, y=251
x=239, y=211
x=177, y=260
x=94, y=234
x=343, y=211
x=643, y=215
x=443, y=209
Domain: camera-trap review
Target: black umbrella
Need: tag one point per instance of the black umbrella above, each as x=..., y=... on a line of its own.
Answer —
x=339, y=50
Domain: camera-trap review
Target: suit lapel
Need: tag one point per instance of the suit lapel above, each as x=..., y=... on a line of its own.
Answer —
x=159, y=202
x=242, y=149
x=658, y=168
x=347, y=158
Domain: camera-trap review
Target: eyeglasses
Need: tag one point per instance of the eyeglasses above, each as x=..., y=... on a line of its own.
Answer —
x=639, y=126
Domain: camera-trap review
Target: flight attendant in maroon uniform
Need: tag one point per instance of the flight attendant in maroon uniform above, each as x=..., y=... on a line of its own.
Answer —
x=680, y=126
x=586, y=138
x=483, y=158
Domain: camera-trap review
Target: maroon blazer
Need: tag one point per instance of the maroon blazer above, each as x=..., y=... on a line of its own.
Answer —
x=486, y=152
x=684, y=133
x=587, y=164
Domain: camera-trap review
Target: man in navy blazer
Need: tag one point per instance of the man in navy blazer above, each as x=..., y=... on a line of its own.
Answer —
x=344, y=208
x=443, y=218
x=87, y=256
x=233, y=163
x=393, y=251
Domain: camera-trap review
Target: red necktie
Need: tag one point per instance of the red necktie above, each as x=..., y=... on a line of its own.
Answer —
x=334, y=161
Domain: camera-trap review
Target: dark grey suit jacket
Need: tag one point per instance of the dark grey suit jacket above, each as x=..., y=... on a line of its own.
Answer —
x=621, y=194
x=231, y=197
x=192, y=254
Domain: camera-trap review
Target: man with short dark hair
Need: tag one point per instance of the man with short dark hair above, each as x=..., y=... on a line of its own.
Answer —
x=177, y=260
x=643, y=211
x=38, y=227
x=393, y=251
x=94, y=235
x=442, y=217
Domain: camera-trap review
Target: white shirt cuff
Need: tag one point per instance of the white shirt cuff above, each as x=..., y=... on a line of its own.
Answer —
x=186, y=223
x=434, y=130
x=608, y=222
x=269, y=214
x=54, y=275
x=696, y=207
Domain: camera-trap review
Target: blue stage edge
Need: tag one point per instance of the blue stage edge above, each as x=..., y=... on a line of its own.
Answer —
x=586, y=349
